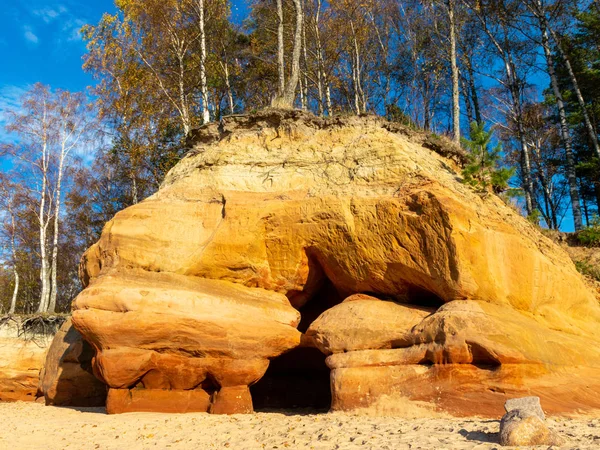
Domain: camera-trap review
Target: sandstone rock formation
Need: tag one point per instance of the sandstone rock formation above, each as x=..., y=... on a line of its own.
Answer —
x=192, y=337
x=67, y=377
x=21, y=359
x=191, y=292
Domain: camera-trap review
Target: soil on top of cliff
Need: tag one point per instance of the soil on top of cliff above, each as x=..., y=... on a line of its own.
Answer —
x=289, y=120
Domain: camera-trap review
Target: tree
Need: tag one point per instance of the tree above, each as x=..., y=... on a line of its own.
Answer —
x=538, y=9
x=496, y=19
x=8, y=201
x=74, y=122
x=286, y=94
x=49, y=126
x=451, y=5
x=482, y=171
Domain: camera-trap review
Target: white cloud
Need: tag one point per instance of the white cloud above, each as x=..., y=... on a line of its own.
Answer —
x=72, y=29
x=30, y=35
x=48, y=14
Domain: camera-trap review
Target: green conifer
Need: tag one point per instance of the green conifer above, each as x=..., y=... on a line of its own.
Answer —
x=482, y=171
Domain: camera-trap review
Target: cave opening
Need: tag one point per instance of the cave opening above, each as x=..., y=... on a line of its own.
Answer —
x=421, y=297
x=299, y=379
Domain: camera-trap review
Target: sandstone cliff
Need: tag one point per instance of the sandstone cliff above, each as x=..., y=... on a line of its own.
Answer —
x=274, y=219
x=22, y=356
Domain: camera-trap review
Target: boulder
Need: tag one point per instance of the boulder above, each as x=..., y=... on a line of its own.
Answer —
x=364, y=323
x=521, y=427
x=67, y=378
x=199, y=286
x=531, y=405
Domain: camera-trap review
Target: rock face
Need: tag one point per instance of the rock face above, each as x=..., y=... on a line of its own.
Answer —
x=21, y=359
x=195, y=338
x=67, y=377
x=191, y=292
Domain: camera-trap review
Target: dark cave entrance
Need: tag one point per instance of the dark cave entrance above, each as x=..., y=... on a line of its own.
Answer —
x=299, y=379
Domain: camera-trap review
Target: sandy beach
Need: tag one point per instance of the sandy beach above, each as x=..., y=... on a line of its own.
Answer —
x=34, y=426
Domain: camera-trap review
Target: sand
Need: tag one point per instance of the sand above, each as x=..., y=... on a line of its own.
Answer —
x=34, y=426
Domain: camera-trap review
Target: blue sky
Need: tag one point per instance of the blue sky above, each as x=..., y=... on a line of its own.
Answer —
x=40, y=42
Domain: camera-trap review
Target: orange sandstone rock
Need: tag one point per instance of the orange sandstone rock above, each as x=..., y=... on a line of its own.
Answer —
x=195, y=287
x=21, y=360
x=67, y=377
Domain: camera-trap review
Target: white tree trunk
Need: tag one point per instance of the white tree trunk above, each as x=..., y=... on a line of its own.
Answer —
x=229, y=92
x=320, y=72
x=280, y=49
x=13, y=301
x=54, y=289
x=44, y=294
x=455, y=74
x=305, y=72
x=356, y=72
x=292, y=84
x=564, y=127
x=185, y=113
x=203, y=81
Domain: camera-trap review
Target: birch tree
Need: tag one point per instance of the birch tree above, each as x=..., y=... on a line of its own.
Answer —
x=451, y=6
x=495, y=20
x=35, y=126
x=73, y=123
x=538, y=9
x=8, y=200
x=286, y=94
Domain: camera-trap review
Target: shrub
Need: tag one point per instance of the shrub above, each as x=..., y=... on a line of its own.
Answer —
x=590, y=235
x=590, y=270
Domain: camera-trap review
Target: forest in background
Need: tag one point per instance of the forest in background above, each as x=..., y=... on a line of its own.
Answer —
x=527, y=71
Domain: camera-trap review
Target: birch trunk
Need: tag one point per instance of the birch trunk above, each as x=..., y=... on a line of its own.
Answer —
x=328, y=98
x=305, y=56
x=185, y=117
x=280, y=49
x=13, y=301
x=513, y=88
x=203, y=82
x=228, y=86
x=525, y=157
x=355, y=71
x=564, y=127
x=320, y=71
x=43, y=239
x=455, y=74
x=290, y=91
x=54, y=289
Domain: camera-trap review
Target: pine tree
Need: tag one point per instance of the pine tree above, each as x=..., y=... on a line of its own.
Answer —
x=482, y=172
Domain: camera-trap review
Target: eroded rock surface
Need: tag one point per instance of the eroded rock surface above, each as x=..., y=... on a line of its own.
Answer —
x=198, y=287
x=21, y=360
x=67, y=377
